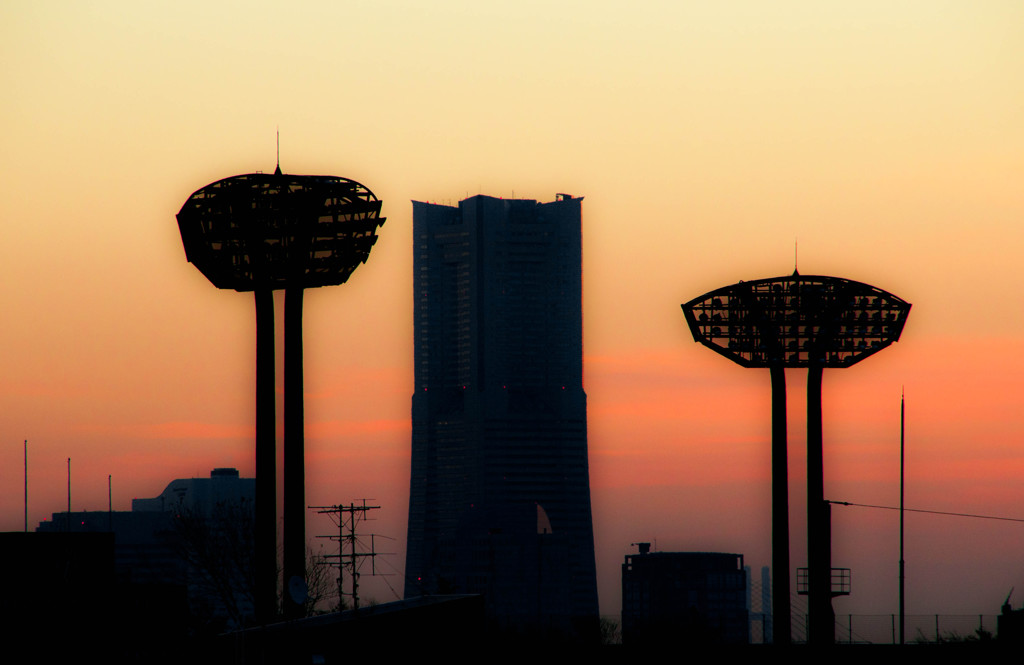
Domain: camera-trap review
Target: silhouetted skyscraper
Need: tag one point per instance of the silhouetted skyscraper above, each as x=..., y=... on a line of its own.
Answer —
x=500, y=492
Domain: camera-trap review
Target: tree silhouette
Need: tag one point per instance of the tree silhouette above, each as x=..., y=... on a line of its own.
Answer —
x=219, y=552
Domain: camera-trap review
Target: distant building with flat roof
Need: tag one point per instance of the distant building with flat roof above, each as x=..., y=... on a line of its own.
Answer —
x=202, y=495
x=196, y=536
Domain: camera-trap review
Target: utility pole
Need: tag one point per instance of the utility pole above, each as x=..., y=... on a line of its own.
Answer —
x=26, y=485
x=902, y=607
x=346, y=518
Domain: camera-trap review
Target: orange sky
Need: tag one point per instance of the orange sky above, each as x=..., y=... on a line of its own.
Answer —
x=706, y=137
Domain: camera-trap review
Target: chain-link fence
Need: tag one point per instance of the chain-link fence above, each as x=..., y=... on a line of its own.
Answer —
x=918, y=628
x=885, y=628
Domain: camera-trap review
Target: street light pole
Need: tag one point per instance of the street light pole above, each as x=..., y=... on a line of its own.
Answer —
x=902, y=608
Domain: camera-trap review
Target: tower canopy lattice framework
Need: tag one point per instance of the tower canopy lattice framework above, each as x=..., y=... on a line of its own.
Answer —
x=274, y=231
x=797, y=321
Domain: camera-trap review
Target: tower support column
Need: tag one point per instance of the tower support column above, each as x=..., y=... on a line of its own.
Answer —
x=819, y=538
x=781, y=622
x=294, y=458
x=265, y=528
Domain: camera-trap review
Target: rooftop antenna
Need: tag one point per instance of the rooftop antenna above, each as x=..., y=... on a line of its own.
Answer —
x=277, y=171
x=796, y=256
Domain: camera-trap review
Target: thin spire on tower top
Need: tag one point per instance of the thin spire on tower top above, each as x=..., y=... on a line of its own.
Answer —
x=277, y=171
x=796, y=256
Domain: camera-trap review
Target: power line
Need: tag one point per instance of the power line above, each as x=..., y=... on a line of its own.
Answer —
x=931, y=512
x=390, y=565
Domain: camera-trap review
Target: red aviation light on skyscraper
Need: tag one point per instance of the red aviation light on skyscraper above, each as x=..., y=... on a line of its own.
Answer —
x=797, y=321
x=275, y=230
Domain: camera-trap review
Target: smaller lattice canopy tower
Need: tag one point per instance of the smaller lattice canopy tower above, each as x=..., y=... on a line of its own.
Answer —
x=798, y=321
x=260, y=232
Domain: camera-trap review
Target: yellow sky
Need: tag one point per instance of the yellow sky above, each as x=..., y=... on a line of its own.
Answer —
x=887, y=138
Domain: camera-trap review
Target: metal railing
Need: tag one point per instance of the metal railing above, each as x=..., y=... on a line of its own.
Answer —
x=840, y=581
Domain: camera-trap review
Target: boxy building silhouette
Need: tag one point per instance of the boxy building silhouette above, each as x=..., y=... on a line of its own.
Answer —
x=672, y=598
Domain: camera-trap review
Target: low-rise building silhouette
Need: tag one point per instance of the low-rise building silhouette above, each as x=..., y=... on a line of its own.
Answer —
x=191, y=546
x=673, y=597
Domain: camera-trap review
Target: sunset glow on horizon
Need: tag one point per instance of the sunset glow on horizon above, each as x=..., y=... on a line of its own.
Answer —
x=709, y=141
